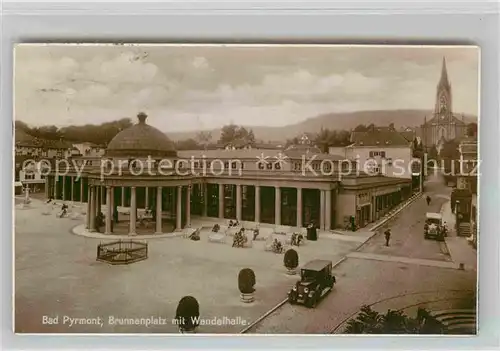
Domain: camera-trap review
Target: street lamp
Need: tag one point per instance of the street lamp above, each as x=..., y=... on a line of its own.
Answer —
x=457, y=218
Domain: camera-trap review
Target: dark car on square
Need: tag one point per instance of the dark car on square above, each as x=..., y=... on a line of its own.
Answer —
x=316, y=280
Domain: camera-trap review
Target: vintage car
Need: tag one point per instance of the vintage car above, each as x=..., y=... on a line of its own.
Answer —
x=433, y=228
x=316, y=280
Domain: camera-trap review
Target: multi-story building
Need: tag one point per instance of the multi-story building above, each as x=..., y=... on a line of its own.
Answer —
x=293, y=187
x=468, y=164
x=380, y=150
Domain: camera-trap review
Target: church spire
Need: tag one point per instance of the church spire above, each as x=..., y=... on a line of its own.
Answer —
x=443, y=81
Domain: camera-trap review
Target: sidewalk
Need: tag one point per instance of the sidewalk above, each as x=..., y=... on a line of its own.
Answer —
x=459, y=248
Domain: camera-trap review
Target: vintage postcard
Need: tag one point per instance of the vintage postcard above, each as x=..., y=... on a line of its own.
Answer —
x=226, y=189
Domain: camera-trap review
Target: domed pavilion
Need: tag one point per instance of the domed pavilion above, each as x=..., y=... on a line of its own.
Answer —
x=139, y=175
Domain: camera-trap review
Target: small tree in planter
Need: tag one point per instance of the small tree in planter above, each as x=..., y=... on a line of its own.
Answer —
x=246, y=283
x=291, y=261
x=187, y=314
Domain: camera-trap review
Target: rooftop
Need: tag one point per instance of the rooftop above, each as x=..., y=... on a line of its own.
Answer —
x=141, y=140
x=379, y=136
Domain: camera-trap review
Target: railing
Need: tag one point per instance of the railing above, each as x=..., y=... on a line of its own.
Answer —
x=122, y=252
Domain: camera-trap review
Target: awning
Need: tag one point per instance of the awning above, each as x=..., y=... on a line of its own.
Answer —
x=16, y=184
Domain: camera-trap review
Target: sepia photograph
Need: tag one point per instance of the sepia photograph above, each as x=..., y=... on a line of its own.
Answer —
x=245, y=189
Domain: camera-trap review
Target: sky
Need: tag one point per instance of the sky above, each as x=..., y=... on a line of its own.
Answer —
x=185, y=88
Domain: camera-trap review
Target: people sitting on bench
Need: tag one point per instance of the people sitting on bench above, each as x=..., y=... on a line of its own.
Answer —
x=297, y=238
x=216, y=228
x=64, y=210
x=195, y=236
x=277, y=246
x=240, y=239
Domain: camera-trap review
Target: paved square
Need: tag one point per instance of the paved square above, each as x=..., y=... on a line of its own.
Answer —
x=57, y=275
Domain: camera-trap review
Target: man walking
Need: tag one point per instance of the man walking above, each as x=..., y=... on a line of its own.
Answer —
x=428, y=200
x=387, y=234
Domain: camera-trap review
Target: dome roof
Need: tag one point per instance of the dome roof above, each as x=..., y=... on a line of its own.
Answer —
x=141, y=140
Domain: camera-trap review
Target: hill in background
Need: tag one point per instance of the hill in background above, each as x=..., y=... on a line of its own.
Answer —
x=332, y=121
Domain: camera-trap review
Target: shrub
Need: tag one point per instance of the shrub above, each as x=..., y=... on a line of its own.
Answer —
x=291, y=259
x=246, y=281
x=187, y=313
x=393, y=322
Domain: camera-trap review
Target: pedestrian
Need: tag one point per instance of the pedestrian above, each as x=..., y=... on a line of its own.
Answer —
x=428, y=200
x=387, y=234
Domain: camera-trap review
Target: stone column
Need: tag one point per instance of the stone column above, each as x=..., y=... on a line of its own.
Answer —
x=109, y=212
x=123, y=197
x=146, y=191
x=101, y=200
x=257, y=203
x=93, y=198
x=277, y=205
x=159, y=228
x=89, y=208
x=72, y=188
x=205, y=199
x=81, y=189
x=64, y=188
x=98, y=199
x=221, y=201
x=47, y=183
x=322, y=209
x=133, y=211
x=238, y=202
x=328, y=209
x=178, y=213
x=299, y=207
x=112, y=205
x=188, y=206
x=55, y=188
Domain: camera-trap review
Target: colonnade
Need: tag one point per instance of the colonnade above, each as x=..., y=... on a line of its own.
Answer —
x=94, y=208
x=325, y=205
x=98, y=195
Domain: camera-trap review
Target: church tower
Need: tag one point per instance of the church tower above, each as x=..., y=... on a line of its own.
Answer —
x=443, y=95
x=443, y=125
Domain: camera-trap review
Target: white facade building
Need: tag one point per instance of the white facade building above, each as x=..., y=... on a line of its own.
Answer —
x=381, y=150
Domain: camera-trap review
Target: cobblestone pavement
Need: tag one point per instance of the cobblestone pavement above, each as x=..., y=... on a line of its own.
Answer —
x=386, y=284
x=56, y=274
x=407, y=228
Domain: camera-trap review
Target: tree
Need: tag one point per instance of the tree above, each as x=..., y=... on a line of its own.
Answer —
x=291, y=260
x=228, y=133
x=323, y=139
x=246, y=283
x=231, y=133
x=204, y=138
x=187, y=144
x=433, y=153
x=450, y=154
x=22, y=126
x=187, y=313
x=393, y=322
x=100, y=134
